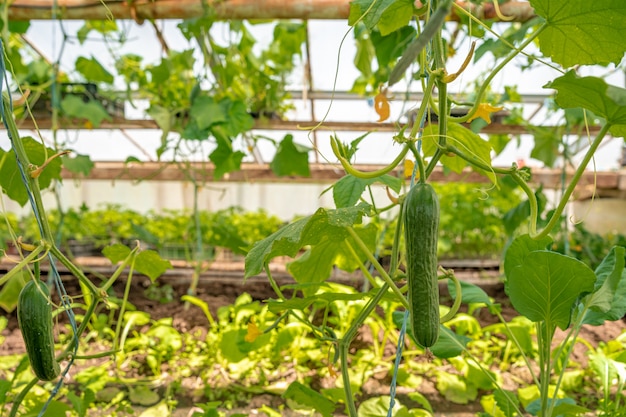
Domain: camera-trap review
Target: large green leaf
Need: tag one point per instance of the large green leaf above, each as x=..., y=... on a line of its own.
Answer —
x=608, y=302
x=224, y=158
x=370, y=10
x=520, y=248
x=546, y=285
x=93, y=71
x=593, y=93
x=396, y=16
x=582, y=32
x=10, y=178
x=10, y=291
x=291, y=159
x=150, y=263
x=467, y=141
x=79, y=164
x=206, y=112
x=307, y=397
x=92, y=110
x=349, y=189
x=322, y=226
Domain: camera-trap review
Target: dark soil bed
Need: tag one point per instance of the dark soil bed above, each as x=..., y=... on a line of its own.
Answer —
x=218, y=292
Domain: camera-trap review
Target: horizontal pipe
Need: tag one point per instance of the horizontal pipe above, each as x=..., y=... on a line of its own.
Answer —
x=139, y=10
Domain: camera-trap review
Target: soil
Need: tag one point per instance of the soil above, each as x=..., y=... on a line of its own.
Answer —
x=218, y=292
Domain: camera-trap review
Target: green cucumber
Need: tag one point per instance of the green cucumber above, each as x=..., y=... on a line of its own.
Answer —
x=34, y=315
x=421, y=224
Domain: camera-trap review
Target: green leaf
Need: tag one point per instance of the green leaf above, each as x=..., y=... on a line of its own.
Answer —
x=79, y=164
x=610, y=290
x=93, y=71
x=149, y=263
x=92, y=110
x=314, y=266
x=470, y=293
x=455, y=389
x=594, y=94
x=389, y=48
x=348, y=190
x=507, y=402
x=206, y=112
x=10, y=178
x=10, y=291
x=322, y=225
x=238, y=120
x=224, y=158
x=374, y=9
x=449, y=344
x=291, y=159
x=546, y=285
x=461, y=137
x=309, y=398
x=116, y=252
x=546, y=147
x=396, y=16
x=581, y=32
x=520, y=248
x=379, y=406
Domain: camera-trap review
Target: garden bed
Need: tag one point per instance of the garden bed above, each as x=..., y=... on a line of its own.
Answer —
x=223, y=288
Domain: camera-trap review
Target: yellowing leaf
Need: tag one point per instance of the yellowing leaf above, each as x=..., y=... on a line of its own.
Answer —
x=381, y=105
x=484, y=112
x=253, y=332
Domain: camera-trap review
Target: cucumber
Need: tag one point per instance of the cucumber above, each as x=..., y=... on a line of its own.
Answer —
x=421, y=224
x=34, y=315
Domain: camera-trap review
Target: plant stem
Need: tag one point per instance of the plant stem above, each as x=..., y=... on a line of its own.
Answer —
x=378, y=266
x=483, y=88
x=345, y=341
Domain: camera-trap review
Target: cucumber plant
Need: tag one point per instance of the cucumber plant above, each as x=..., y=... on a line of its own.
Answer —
x=548, y=288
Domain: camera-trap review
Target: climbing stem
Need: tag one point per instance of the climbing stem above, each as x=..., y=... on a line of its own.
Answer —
x=383, y=274
x=366, y=175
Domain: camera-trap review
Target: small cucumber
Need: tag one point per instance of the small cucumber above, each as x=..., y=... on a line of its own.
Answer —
x=34, y=315
x=421, y=224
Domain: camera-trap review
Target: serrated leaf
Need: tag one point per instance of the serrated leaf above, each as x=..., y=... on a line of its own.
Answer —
x=150, y=263
x=581, y=32
x=79, y=164
x=92, y=70
x=369, y=10
x=92, y=110
x=506, y=401
x=396, y=16
x=323, y=225
x=594, y=94
x=10, y=178
x=389, y=48
x=545, y=287
x=206, y=112
x=224, y=158
x=349, y=189
x=238, y=120
x=10, y=291
x=546, y=147
x=610, y=272
x=116, y=252
x=291, y=159
x=307, y=397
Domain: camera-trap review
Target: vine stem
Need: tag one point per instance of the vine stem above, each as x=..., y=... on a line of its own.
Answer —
x=483, y=88
x=345, y=341
x=532, y=199
x=378, y=266
x=366, y=175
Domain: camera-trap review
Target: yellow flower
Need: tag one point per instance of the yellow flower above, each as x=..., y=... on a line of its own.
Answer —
x=408, y=168
x=253, y=332
x=484, y=112
x=381, y=105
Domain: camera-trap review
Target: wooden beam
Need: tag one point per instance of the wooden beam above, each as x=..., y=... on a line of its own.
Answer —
x=323, y=173
x=139, y=10
x=261, y=124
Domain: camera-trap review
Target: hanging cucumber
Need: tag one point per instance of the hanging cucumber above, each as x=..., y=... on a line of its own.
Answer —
x=34, y=314
x=421, y=223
